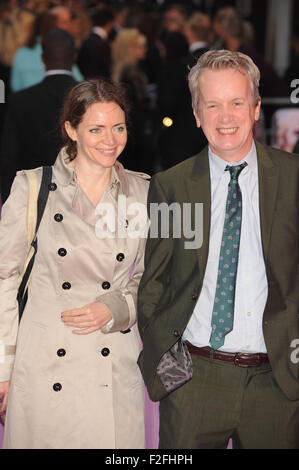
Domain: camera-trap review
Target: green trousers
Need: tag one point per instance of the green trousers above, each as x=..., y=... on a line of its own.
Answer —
x=224, y=401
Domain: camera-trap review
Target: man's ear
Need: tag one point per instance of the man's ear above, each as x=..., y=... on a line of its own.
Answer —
x=71, y=132
x=196, y=118
x=257, y=109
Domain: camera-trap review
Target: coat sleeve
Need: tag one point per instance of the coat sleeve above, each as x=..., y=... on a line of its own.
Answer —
x=122, y=303
x=13, y=246
x=153, y=289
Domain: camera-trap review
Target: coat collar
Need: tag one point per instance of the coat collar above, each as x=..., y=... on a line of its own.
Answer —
x=81, y=205
x=65, y=174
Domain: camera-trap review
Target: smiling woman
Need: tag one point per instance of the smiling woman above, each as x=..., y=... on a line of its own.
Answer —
x=74, y=381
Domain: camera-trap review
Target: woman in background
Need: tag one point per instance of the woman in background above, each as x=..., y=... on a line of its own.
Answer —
x=128, y=49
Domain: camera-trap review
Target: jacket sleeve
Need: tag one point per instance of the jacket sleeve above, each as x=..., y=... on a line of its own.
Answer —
x=122, y=302
x=13, y=246
x=153, y=289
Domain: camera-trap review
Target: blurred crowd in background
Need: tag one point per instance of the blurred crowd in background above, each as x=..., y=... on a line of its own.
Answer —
x=148, y=46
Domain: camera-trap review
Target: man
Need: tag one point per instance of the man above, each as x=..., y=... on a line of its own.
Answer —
x=31, y=133
x=182, y=139
x=226, y=312
x=94, y=58
x=198, y=32
x=231, y=30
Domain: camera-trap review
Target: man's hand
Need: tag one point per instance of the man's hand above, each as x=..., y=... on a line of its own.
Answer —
x=90, y=318
x=4, y=389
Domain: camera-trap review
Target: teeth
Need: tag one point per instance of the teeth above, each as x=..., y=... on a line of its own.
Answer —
x=228, y=131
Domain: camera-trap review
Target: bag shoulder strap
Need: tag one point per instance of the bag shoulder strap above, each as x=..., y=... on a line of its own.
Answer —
x=35, y=211
x=31, y=206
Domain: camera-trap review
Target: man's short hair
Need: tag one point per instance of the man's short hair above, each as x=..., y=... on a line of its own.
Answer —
x=221, y=60
x=58, y=44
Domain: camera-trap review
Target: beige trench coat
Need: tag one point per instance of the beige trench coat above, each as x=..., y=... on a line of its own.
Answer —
x=67, y=390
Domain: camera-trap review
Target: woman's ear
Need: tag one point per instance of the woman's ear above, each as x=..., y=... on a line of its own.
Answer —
x=71, y=132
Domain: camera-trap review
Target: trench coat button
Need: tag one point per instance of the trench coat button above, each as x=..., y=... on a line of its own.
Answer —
x=120, y=257
x=105, y=352
x=66, y=285
x=57, y=387
x=106, y=285
x=62, y=252
x=176, y=333
x=58, y=217
x=52, y=187
x=61, y=352
x=194, y=297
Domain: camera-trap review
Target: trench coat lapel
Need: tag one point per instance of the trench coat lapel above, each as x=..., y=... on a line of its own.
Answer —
x=199, y=191
x=268, y=175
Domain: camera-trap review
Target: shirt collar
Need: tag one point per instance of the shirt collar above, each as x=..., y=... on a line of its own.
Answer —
x=100, y=32
x=218, y=165
x=48, y=73
x=65, y=174
x=197, y=45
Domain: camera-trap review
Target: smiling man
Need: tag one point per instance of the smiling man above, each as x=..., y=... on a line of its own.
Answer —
x=218, y=322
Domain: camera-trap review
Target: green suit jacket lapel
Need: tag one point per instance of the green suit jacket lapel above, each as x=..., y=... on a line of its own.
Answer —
x=268, y=175
x=199, y=191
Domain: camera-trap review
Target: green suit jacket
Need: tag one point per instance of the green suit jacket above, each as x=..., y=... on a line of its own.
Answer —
x=173, y=275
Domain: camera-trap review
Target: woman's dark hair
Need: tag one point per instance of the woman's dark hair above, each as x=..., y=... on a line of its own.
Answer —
x=42, y=24
x=80, y=98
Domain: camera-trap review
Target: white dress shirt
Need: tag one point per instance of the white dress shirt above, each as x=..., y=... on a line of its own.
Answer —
x=251, y=283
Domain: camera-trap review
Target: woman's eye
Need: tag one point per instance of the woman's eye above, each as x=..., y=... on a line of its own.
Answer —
x=120, y=129
x=94, y=131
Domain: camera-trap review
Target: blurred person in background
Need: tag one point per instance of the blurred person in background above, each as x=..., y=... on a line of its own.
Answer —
x=15, y=29
x=28, y=68
x=198, y=32
x=128, y=49
x=178, y=137
x=174, y=18
x=150, y=26
x=94, y=57
x=231, y=31
x=292, y=71
x=31, y=135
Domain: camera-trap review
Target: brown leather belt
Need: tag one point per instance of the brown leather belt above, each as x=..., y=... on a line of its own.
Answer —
x=239, y=359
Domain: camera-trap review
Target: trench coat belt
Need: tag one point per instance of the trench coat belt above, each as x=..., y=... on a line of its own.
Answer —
x=240, y=359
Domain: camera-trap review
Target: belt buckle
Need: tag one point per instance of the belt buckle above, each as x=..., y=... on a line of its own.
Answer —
x=236, y=359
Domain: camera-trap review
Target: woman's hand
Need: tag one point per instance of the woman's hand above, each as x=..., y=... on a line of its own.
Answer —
x=4, y=389
x=89, y=318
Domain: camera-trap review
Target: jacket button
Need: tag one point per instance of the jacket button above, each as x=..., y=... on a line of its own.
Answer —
x=105, y=352
x=52, y=187
x=57, y=387
x=194, y=296
x=61, y=352
x=58, y=217
x=62, y=252
x=66, y=286
x=106, y=285
x=120, y=257
x=176, y=333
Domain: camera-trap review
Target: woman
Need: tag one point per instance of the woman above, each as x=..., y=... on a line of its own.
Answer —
x=28, y=68
x=128, y=49
x=75, y=382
